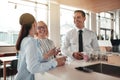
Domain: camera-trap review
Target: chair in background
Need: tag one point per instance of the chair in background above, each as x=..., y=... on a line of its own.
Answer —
x=116, y=45
x=1, y=72
x=1, y=67
x=13, y=69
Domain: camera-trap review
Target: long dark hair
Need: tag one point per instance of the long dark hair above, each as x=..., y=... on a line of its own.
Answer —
x=22, y=34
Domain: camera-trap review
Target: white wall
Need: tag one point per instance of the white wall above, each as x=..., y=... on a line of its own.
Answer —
x=54, y=20
x=93, y=22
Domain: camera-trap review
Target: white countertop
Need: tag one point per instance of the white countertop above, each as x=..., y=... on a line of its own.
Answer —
x=68, y=72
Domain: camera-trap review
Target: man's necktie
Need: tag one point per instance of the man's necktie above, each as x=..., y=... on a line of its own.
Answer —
x=80, y=41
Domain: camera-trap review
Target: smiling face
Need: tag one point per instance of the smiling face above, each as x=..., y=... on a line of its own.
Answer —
x=79, y=19
x=42, y=30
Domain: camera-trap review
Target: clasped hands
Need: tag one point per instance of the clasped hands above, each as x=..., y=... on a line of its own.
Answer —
x=54, y=52
x=78, y=55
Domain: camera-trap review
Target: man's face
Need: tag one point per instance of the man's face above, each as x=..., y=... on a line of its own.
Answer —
x=79, y=20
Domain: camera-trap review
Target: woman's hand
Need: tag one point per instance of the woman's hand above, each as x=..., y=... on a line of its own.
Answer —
x=61, y=61
x=52, y=52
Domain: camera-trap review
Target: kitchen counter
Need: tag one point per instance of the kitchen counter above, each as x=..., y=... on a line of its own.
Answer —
x=68, y=72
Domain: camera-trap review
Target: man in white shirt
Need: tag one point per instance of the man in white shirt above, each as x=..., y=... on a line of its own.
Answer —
x=72, y=44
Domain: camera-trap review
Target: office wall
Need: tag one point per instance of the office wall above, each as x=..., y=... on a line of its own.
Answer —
x=93, y=22
x=54, y=20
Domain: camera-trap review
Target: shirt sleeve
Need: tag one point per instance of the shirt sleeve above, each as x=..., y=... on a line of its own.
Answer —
x=95, y=43
x=34, y=59
x=66, y=46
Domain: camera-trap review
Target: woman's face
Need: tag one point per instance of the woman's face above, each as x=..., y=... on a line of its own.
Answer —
x=42, y=29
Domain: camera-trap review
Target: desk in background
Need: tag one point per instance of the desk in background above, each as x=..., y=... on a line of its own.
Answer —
x=6, y=60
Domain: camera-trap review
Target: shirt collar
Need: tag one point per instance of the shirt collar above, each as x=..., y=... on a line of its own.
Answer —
x=80, y=29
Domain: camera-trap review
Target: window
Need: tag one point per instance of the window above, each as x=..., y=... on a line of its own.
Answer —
x=104, y=25
x=9, y=18
x=117, y=24
x=66, y=20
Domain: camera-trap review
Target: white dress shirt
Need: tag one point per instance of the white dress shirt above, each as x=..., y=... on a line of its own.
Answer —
x=70, y=42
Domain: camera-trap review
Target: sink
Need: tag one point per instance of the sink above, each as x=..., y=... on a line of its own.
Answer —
x=104, y=69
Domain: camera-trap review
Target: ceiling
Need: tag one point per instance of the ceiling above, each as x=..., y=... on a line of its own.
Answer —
x=93, y=5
